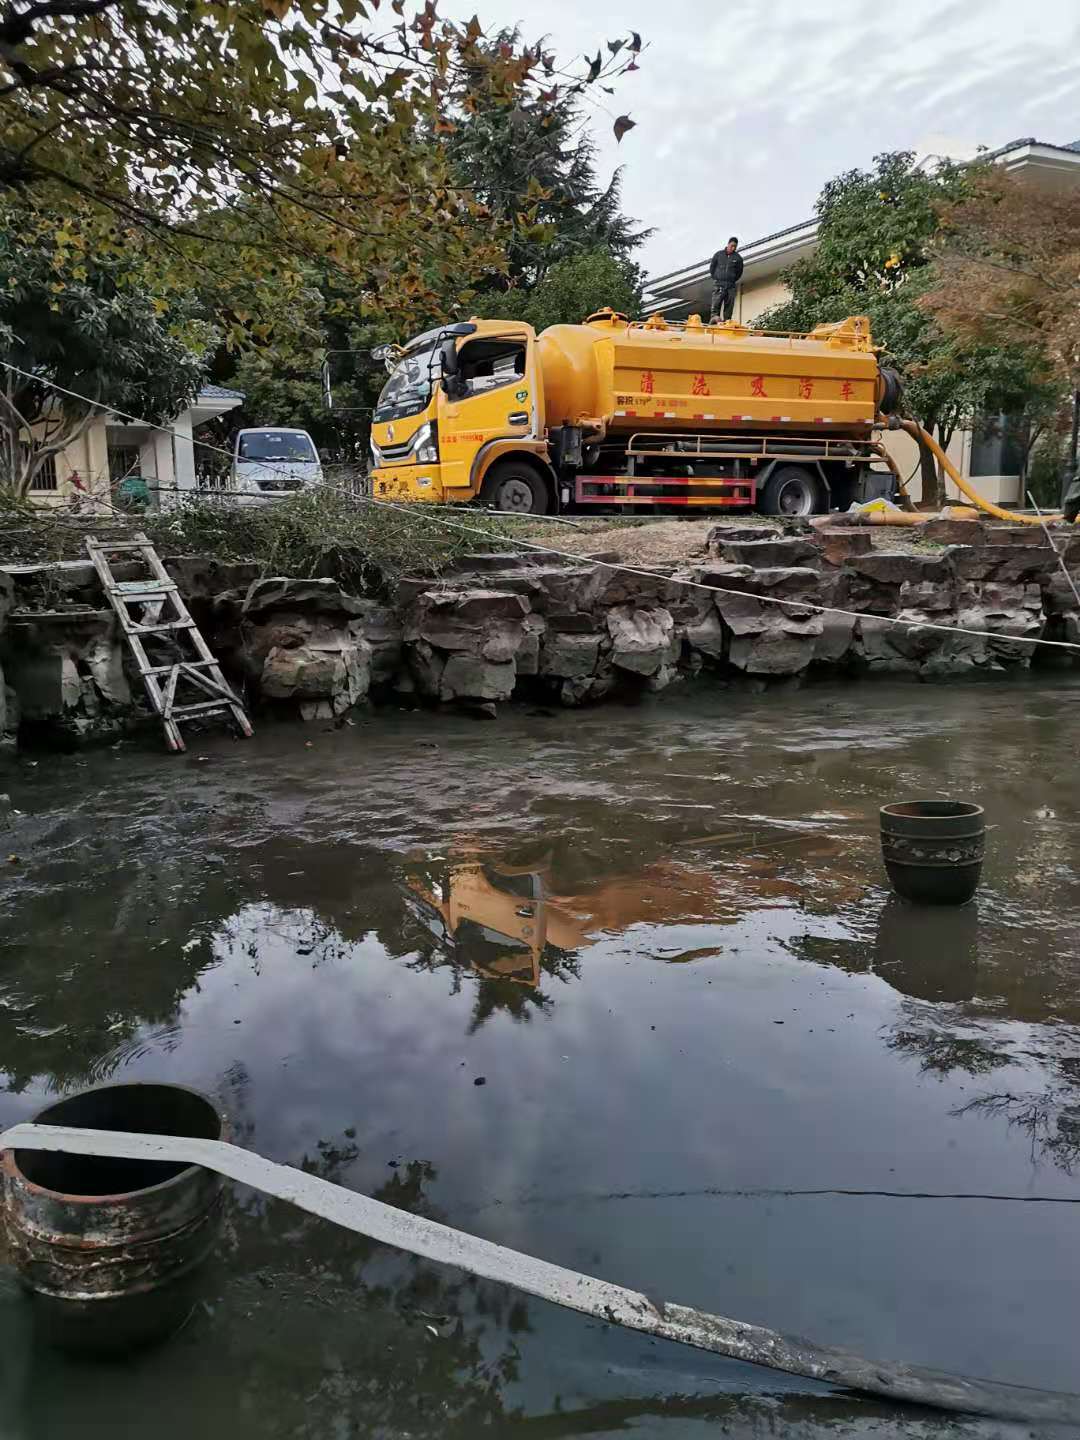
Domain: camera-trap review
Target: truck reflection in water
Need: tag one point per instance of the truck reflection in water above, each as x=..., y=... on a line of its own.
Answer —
x=499, y=915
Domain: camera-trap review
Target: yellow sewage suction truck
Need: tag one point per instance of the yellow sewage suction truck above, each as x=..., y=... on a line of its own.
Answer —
x=618, y=413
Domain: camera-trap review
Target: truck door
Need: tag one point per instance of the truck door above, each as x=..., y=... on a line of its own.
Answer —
x=493, y=397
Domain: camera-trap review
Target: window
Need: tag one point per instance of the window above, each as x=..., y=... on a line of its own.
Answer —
x=45, y=479
x=486, y=364
x=271, y=445
x=408, y=389
x=997, y=446
x=124, y=460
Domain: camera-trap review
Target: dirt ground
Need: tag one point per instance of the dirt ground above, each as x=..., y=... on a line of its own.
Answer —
x=669, y=542
x=665, y=542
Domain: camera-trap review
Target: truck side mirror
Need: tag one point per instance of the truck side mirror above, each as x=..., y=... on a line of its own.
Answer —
x=451, y=369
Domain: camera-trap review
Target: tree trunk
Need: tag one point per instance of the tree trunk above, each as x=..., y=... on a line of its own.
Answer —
x=945, y=435
x=933, y=488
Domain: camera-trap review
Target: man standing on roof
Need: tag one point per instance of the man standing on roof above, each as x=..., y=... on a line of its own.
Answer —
x=726, y=271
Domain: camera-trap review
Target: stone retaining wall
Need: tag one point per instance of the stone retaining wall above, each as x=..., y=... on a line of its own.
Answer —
x=506, y=625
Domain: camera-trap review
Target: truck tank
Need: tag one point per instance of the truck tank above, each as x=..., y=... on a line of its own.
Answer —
x=692, y=376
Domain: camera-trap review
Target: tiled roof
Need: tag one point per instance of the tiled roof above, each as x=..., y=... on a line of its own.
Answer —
x=219, y=392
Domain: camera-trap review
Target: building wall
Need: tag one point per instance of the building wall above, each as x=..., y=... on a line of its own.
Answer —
x=87, y=457
x=757, y=296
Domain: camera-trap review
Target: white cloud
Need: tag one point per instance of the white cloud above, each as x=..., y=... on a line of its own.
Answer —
x=743, y=112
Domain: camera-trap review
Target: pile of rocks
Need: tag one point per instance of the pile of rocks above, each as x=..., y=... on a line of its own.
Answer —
x=762, y=604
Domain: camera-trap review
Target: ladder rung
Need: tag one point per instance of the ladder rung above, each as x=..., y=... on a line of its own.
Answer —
x=130, y=590
x=121, y=545
x=200, y=709
x=154, y=629
x=180, y=665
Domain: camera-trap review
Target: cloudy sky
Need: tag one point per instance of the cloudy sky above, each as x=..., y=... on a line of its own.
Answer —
x=743, y=110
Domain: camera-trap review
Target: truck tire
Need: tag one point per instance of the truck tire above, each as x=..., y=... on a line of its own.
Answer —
x=514, y=486
x=791, y=491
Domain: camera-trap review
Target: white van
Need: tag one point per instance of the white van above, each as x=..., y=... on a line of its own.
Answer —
x=272, y=462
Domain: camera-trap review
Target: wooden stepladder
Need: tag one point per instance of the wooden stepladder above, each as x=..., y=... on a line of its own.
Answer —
x=168, y=646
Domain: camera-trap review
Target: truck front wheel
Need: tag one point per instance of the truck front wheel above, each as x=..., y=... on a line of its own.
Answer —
x=790, y=491
x=514, y=486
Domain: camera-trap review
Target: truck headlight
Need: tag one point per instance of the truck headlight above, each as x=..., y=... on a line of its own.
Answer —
x=426, y=444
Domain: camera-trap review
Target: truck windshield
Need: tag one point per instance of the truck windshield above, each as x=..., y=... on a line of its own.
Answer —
x=286, y=445
x=410, y=384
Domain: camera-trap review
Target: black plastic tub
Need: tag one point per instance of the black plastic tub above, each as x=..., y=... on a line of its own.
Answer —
x=109, y=1249
x=933, y=849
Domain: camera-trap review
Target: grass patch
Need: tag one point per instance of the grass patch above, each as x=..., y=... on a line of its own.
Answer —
x=322, y=532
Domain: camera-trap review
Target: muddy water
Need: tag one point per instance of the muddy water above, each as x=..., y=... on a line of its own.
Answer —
x=719, y=1063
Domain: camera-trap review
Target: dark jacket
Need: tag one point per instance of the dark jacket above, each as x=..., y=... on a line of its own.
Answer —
x=726, y=270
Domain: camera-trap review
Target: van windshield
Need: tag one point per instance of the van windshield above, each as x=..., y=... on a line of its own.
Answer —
x=283, y=445
x=409, y=386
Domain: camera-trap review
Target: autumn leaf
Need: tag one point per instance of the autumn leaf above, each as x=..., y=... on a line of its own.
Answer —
x=635, y=42
x=615, y=46
x=622, y=125
x=277, y=8
x=595, y=66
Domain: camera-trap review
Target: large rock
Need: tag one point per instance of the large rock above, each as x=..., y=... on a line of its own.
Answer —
x=709, y=636
x=1008, y=612
x=876, y=582
x=279, y=593
x=462, y=644
x=837, y=639
x=569, y=657
x=588, y=688
x=381, y=627
x=954, y=532
x=892, y=567
x=926, y=596
x=768, y=637
x=767, y=554
x=627, y=587
x=544, y=586
x=470, y=677
x=1025, y=535
x=202, y=578
x=721, y=535
x=642, y=640
x=774, y=643
x=487, y=622
x=527, y=659
x=1009, y=564
x=326, y=681
x=839, y=544
x=66, y=670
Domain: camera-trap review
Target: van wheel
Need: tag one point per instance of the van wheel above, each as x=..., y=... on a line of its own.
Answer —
x=791, y=492
x=516, y=488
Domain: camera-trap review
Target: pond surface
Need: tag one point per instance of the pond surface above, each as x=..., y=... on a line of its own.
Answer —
x=721, y=1065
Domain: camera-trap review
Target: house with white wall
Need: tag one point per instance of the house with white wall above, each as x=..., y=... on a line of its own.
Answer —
x=990, y=461
x=93, y=465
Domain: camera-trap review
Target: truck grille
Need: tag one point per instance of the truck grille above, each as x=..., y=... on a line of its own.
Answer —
x=395, y=454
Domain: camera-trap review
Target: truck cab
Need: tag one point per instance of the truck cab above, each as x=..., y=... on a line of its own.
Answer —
x=458, y=401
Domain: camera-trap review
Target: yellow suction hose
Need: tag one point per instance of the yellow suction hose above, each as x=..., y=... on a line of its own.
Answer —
x=964, y=486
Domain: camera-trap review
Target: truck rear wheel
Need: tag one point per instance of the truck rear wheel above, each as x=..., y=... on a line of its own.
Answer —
x=791, y=491
x=514, y=486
